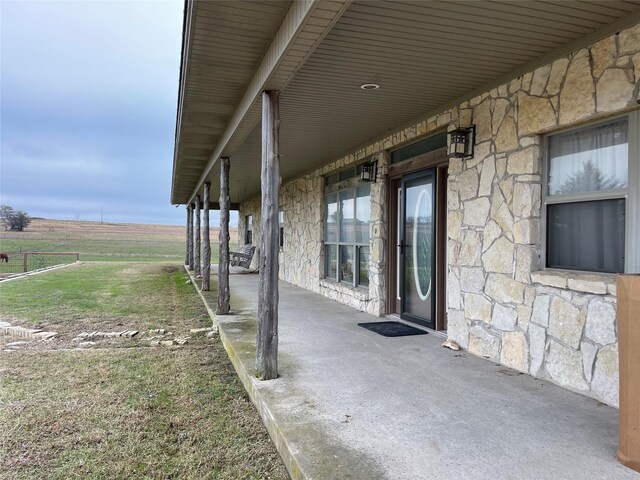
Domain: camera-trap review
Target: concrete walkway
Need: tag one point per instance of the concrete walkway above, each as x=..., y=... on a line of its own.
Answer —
x=351, y=404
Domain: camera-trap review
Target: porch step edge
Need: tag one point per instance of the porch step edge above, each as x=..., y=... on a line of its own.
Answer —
x=278, y=438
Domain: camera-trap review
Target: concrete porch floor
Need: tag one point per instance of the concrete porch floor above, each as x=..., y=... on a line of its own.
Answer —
x=351, y=404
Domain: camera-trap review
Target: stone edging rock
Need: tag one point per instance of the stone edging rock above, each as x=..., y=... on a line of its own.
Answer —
x=23, y=332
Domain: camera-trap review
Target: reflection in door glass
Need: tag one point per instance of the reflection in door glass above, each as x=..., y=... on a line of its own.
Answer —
x=421, y=243
x=418, y=258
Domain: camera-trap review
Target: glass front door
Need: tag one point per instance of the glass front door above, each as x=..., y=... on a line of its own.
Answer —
x=417, y=248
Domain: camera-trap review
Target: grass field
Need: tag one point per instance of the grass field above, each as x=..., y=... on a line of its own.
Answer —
x=96, y=242
x=121, y=409
x=99, y=296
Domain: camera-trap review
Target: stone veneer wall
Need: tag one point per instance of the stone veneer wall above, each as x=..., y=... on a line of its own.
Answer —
x=557, y=326
x=302, y=256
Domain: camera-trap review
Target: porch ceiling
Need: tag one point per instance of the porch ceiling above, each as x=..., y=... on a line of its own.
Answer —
x=424, y=55
x=222, y=47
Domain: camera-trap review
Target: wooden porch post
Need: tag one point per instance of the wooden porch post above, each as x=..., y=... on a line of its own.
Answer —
x=206, y=249
x=223, y=240
x=186, y=252
x=196, y=231
x=267, y=337
x=190, y=236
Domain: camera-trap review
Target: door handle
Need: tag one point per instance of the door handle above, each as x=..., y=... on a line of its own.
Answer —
x=401, y=246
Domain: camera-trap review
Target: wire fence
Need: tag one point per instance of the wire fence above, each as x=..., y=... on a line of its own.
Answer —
x=23, y=262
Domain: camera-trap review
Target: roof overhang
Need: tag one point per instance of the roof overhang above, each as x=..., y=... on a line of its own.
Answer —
x=427, y=56
x=294, y=30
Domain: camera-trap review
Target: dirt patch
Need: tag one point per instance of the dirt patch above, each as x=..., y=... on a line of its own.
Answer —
x=103, y=297
x=170, y=269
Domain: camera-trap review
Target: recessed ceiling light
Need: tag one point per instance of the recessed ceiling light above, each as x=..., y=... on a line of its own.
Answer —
x=369, y=86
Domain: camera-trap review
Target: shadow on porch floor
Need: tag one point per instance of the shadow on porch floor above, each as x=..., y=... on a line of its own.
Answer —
x=351, y=404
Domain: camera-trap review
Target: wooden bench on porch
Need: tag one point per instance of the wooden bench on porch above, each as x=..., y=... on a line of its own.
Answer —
x=243, y=257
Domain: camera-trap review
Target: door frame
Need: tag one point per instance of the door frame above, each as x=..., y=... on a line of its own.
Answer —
x=439, y=160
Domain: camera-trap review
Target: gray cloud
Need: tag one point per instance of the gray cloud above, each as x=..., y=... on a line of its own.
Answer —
x=88, y=108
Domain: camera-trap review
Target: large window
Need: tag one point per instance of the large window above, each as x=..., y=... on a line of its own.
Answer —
x=590, y=191
x=346, y=235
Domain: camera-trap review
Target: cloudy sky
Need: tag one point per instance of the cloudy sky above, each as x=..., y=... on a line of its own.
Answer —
x=88, y=94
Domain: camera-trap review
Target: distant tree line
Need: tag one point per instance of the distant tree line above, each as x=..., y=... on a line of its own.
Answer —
x=12, y=219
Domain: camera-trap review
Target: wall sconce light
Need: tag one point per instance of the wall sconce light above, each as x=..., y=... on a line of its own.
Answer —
x=369, y=171
x=461, y=142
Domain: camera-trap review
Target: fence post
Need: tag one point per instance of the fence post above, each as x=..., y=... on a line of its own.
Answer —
x=26, y=265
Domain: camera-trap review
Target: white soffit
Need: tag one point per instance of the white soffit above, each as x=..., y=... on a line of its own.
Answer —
x=223, y=45
x=302, y=28
x=424, y=55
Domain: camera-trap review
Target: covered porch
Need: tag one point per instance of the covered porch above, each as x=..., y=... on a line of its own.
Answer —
x=284, y=105
x=353, y=404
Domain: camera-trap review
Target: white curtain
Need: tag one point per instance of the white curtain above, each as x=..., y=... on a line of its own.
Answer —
x=590, y=159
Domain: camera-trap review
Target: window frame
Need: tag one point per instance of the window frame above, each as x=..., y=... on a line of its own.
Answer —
x=281, y=227
x=337, y=189
x=630, y=194
x=248, y=234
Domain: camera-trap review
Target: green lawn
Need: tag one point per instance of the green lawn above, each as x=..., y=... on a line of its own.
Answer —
x=122, y=409
x=98, y=295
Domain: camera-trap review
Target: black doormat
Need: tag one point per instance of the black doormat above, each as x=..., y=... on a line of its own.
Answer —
x=392, y=329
